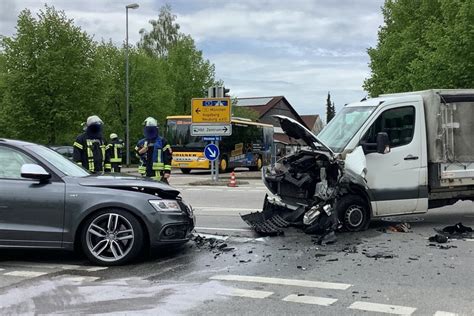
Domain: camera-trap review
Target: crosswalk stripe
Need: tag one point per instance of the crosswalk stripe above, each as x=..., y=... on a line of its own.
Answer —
x=383, y=308
x=441, y=313
x=26, y=274
x=291, y=282
x=315, y=300
x=247, y=293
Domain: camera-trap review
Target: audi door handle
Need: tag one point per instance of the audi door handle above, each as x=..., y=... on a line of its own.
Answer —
x=411, y=157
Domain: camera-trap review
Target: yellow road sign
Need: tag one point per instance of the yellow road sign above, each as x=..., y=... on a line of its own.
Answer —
x=211, y=110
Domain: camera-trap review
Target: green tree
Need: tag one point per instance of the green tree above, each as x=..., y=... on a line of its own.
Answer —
x=330, y=109
x=423, y=44
x=188, y=73
x=3, y=121
x=50, y=80
x=163, y=35
x=150, y=93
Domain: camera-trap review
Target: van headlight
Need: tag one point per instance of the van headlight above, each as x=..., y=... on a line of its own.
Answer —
x=165, y=205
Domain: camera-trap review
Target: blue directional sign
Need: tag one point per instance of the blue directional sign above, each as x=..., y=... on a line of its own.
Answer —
x=211, y=152
x=215, y=103
x=211, y=138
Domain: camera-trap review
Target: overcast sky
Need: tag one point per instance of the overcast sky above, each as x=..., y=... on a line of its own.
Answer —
x=300, y=49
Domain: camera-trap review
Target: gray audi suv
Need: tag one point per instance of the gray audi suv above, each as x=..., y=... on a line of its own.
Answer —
x=47, y=201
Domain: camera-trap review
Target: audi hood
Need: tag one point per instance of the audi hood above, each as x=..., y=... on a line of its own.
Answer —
x=130, y=183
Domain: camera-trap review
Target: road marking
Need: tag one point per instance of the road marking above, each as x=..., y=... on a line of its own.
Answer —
x=224, y=209
x=382, y=308
x=441, y=313
x=469, y=239
x=292, y=282
x=315, y=300
x=81, y=279
x=25, y=274
x=202, y=189
x=248, y=293
x=224, y=229
x=93, y=269
x=213, y=236
x=41, y=266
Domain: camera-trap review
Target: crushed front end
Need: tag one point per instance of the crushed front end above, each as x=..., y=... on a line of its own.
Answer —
x=304, y=187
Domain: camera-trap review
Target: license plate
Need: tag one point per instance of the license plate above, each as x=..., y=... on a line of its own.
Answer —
x=183, y=164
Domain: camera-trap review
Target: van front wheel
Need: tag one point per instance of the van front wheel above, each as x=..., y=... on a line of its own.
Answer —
x=353, y=213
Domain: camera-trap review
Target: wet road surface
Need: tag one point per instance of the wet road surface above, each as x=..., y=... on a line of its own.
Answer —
x=284, y=275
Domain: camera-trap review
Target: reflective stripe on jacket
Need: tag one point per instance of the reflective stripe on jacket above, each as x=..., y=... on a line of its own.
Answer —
x=91, y=153
x=157, y=157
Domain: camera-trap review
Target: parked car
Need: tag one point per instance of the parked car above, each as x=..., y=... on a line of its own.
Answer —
x=47, y=201
x=66, y=151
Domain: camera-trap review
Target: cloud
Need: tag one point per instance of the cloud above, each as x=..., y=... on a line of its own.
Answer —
x=301, y=48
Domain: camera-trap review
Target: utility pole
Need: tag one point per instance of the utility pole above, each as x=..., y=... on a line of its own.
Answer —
x=127, y=102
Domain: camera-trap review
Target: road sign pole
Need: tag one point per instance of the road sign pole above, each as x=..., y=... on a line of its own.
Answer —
x=217, y=163
x=213, y=173
x=212, y=168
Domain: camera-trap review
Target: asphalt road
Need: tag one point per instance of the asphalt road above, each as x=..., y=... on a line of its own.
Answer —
x=284, y=275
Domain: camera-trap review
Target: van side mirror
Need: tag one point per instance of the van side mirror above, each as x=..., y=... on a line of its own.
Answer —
x=34, y=171
x=383, y=143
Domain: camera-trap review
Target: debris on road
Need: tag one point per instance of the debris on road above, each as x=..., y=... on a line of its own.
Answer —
x=440, y=239
x=332, y=260
x=217, y=246
x=442, y=246
x=400, y=228
x=266, y=224
x=379, y=254
x=458, y=231
x=326, y=239
x=352, y=249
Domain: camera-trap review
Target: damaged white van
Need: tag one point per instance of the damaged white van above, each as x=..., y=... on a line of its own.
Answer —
x=396, y=154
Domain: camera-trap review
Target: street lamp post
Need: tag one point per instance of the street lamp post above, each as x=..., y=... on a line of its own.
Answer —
x=127, y=128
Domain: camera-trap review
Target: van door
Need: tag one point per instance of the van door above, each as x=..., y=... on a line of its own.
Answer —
x=394, y=177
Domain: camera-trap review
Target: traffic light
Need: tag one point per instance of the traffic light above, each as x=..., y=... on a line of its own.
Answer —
x=218, y=92
x=225, y=92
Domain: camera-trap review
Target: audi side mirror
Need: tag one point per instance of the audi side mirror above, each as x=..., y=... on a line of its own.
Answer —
x=34, y=171
x=383, y=143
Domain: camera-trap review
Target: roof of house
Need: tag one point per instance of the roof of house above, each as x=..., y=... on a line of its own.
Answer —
x=259, y=104
x=264, y=104
x=310, y=120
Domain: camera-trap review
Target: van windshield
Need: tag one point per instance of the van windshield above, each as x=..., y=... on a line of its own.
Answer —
x=342, y=128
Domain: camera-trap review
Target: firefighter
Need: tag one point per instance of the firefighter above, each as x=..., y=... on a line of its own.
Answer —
x=154, y=152
x=90, y=149
x=115, y=149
